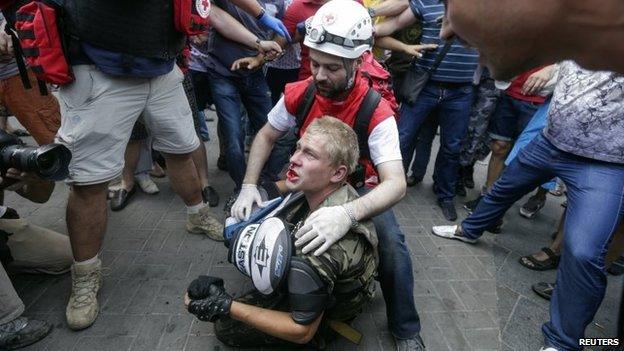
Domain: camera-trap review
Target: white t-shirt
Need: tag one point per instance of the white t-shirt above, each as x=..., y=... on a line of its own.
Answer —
x=383, y=141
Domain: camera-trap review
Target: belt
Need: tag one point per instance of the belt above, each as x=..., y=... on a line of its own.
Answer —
x=449, y=85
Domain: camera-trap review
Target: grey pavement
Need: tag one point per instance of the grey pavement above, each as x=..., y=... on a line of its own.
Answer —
x=470, y=297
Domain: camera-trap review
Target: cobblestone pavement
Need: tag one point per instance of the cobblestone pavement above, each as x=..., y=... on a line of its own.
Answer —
x=469, y=297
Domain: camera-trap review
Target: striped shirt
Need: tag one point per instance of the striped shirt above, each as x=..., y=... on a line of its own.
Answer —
x=460, y=62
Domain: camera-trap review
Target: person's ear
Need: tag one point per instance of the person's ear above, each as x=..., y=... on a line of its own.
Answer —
x=340, y=174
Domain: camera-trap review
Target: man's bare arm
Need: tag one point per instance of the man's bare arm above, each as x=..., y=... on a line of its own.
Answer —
x=390, y=8
x=260, y=151
x=276, y=323
x=390, y=190
x=231, y=29
x=392, y=24
x=389, y=43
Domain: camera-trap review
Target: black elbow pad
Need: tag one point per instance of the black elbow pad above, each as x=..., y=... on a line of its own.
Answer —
x=308, y=294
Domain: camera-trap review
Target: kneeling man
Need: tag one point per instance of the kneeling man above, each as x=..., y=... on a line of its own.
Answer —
x=320, y=295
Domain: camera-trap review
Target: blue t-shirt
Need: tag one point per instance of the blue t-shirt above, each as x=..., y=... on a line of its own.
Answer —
x=460, y=62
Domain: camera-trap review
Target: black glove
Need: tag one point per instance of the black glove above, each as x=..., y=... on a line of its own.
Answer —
x=215, y=305
x=199, y=288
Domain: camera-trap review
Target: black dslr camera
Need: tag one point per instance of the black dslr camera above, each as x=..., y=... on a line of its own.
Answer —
x=49, y=162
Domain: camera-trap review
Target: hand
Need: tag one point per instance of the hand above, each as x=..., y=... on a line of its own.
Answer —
x=6, y=43
x=199, y=288
x=211, y=308
x=276, y=25
x=323, y=228
x=248, y=63
x=269, y=47
x=416, y=50
x=537, y=81
x=248, y=196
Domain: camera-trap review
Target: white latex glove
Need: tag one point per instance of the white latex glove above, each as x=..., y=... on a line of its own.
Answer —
x=323, y=228
x=248, y=196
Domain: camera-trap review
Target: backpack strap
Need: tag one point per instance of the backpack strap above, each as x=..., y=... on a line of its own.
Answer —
x=305, y=105
x=363, y=118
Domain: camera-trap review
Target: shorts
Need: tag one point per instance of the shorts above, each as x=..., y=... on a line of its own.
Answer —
x=98, y=112
x=510, y=118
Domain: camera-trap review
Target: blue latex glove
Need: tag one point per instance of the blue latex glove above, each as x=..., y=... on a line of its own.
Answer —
x=301, y=28
x=275, y=24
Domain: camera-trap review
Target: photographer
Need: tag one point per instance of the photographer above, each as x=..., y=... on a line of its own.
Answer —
x=26, y=248
x=305, y=299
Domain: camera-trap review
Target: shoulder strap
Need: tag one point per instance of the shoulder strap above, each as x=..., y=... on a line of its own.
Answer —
x=363, y=118
x=441, y=54
x=306, y=104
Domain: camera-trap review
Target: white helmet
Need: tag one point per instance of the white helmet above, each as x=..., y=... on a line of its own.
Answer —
x=341, y=28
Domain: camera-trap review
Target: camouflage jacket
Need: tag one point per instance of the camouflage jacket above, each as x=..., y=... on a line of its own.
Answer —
x=348, y=267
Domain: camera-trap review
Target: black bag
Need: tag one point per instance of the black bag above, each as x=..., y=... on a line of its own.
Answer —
x=416, y=78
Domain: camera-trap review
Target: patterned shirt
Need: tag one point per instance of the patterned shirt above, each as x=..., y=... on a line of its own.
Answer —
x=586, y=115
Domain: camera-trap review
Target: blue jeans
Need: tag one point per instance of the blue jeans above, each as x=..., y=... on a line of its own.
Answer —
x=453, y=106
x=422, y=150
x=510, y=118
x=395, y=275
x=595, y=208
x=230, y=95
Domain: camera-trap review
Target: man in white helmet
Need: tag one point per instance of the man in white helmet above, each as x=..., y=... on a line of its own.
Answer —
x=338, y=34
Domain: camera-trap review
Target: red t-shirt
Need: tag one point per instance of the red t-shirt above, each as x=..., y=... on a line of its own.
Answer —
x=345, y=110
x=515, y=89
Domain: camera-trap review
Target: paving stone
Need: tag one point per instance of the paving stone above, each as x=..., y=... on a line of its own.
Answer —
x=103, y=343
x=149, y=332
x=483, y=339
x=526, y=318
x=474, y=320
x=452, y=334
x=175, y=333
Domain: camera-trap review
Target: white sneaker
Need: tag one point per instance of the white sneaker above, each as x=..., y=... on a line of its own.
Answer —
x=82, y=308
x=147, y=185
x=548, y=349
x=450, y=232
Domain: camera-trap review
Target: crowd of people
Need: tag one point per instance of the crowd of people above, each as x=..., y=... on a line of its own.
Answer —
x=337, y=103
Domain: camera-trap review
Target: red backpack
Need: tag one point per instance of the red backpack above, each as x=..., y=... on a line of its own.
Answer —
x=191, y=16
x=37, y=26
x=379, y=79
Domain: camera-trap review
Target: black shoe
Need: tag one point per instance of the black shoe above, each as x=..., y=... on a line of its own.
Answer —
x=460, y=190
x=617, y=267
x=448, y=210
x=121, y=197
x=533, y=205
x=467, y=175
x=222, y=163
x=411, y=180
x=497, y=228
x=22, y=332
x=210, y=196
x=544, y=290
x=472, y=204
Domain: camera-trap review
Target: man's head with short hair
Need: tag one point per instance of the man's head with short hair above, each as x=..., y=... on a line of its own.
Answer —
x=326, y=154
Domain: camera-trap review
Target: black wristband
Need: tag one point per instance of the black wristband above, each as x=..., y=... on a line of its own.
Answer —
x=260, y=14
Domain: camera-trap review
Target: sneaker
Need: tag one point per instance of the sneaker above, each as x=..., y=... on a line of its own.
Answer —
x=448, y=210
x=82, y=308
x=548, y=349
x=22, y=332
x=210, y=196
x=205, y=222
x=450, y=232
x=414, y=344
x=472, y=204
x=532, y=207
x=543, y=289
x=147, y=185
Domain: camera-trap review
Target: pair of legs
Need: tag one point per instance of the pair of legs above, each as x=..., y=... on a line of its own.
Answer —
x=230, y=95
x=452, y=102
x=588, y=230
